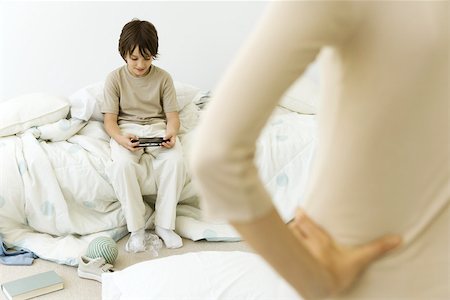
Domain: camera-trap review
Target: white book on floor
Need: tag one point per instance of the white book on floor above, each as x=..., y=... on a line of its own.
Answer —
x=32, y=286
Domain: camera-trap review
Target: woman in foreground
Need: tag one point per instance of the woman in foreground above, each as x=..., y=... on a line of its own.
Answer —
x=380, y=175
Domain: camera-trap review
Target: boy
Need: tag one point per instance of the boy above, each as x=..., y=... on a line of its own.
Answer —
x=140, y=101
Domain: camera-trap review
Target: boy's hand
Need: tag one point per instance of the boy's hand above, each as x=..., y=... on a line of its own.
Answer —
x=170, y=140
x=125, y=140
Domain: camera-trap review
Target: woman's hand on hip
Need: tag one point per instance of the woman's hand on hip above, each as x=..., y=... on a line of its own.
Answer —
x=344, y=264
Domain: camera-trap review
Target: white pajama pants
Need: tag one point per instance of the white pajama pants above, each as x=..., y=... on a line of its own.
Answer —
x=167, y=169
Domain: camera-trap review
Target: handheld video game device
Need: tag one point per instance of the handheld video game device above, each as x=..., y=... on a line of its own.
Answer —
x=150, y=141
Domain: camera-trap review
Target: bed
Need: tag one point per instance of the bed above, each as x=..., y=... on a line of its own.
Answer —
x=55, y=196
x=199, y=275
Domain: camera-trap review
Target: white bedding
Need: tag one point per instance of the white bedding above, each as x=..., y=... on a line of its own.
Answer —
x=284, y=155
x=55, y=196
x=200, y=276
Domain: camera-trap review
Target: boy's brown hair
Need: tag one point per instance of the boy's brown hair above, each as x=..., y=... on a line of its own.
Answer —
x=141, y=34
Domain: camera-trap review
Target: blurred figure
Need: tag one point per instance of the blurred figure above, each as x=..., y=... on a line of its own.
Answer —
x=382, y=162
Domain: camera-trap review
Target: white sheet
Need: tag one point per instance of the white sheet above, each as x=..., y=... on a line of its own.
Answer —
x=199, y=275
x=284, y=156
x=55, y=197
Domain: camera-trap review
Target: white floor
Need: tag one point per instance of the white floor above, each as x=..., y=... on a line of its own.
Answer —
x=82, y=289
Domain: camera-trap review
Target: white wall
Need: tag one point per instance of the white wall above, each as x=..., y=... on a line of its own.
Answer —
x=59, y=47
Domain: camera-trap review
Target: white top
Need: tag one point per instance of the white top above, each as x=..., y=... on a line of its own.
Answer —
x=382, y=162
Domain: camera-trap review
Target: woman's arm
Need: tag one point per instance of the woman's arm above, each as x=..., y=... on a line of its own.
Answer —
x=307, y=256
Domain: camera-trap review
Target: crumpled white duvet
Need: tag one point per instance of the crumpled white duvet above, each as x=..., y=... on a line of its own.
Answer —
x=55, y=196
x=284, y=157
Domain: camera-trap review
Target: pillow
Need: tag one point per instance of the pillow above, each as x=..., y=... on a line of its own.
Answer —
x=185, y=93
x=189, y=116
x=86, y=102
x=303, y=95
x=29, y=110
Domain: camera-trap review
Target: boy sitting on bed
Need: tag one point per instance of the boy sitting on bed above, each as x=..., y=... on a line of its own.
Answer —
x=140, y=101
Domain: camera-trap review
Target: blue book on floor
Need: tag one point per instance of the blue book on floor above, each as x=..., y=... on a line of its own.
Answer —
x=32, y=286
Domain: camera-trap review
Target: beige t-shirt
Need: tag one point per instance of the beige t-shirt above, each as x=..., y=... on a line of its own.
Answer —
x=139, y=100
x=382, y=164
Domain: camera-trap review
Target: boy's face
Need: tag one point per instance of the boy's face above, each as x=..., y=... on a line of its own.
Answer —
x=137, y=64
